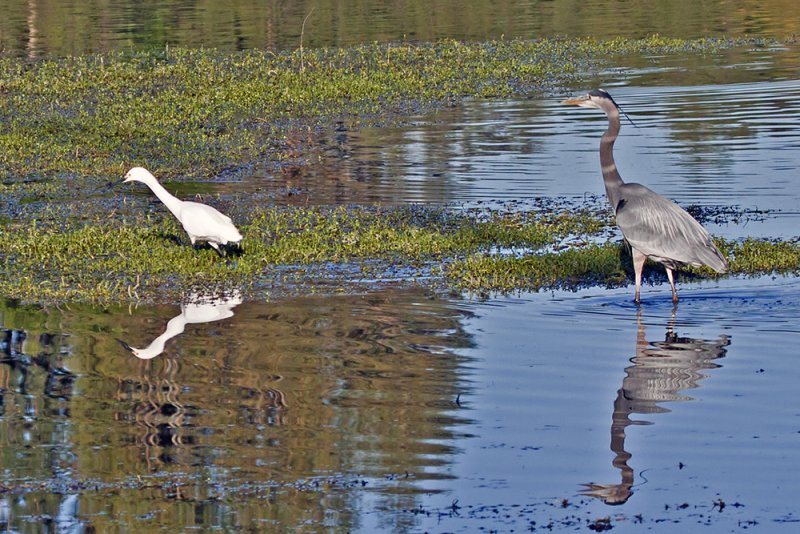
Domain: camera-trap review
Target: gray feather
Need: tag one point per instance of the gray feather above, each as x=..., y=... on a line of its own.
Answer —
x=664, y=231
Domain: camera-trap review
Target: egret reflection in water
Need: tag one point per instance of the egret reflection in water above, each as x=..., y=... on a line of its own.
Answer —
x=196, y=310
x=661, y=372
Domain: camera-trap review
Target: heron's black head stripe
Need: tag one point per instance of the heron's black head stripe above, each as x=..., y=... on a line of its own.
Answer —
x=602, y=94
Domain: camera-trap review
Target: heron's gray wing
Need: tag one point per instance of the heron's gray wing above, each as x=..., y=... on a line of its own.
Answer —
x=663, y=230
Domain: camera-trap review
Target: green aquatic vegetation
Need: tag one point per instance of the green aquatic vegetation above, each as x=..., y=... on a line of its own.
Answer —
x=72, y=126
x=753, y=256
x=148, y=257
x=575, y=267
x=142, y=257
x=97, y=262
x=608, y=264
x=23, y=190
x=193, y=112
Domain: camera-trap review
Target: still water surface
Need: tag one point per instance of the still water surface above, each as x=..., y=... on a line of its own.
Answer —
x=382, y=410
x=403, y=409
x=34, y=28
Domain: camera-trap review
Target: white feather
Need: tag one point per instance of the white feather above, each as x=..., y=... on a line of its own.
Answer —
x=201, y=222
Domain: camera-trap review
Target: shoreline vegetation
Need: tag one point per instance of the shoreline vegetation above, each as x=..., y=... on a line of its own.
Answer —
x=72, y=127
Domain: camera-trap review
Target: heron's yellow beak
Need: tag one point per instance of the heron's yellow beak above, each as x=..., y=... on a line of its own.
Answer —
x=575, y=101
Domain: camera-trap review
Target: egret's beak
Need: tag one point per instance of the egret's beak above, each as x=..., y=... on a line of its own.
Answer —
x=577, y=101
x=133, y=350
x=127, y=178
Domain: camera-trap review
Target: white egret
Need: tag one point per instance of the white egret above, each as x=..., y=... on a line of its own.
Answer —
x=201, y=222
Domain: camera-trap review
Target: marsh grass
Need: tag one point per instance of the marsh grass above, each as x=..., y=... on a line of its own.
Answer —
x=198, y=112
x=149, y=258
x=608, y=264
x=71, y=127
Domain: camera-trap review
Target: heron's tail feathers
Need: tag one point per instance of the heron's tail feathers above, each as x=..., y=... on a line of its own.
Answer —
x=712, y=257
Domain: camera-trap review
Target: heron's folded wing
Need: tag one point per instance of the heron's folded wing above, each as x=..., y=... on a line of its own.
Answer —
x=663, y=230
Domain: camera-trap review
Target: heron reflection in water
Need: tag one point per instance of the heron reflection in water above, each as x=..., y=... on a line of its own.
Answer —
x=197, y=310
x=661, y=371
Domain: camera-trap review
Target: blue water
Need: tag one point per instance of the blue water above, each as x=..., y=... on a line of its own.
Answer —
x=715, y=419
x=732, y=146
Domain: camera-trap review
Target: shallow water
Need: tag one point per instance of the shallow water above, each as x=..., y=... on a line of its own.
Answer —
x=731, y=142
x=408, y=410
x=652, y=409
x=385, y=409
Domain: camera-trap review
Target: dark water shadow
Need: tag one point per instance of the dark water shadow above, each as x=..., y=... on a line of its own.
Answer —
x=661, y=372
x=59, y=380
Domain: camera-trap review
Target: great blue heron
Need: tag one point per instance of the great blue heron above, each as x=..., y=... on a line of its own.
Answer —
x=655, y=227
x=201, y=222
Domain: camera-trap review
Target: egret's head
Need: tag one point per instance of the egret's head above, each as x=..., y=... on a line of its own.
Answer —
x=138, y=174
x=593, y=99
x=127, y=347
x=142, y=354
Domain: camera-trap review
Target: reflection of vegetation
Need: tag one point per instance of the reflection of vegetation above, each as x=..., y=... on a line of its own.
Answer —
x=272, y=420
x=62, y=28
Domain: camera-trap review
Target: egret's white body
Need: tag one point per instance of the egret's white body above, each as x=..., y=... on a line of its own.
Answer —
x=199, y=311
x=201, y=222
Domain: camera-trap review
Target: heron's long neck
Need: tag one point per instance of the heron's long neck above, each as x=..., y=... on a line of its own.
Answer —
x=171, y=202
x=611, y=177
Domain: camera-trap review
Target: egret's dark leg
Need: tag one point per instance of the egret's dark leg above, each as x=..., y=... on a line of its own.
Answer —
x=638, y=266
x=216, y=247
x=672, y=285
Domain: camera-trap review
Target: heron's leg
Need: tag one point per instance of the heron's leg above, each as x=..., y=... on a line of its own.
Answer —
x=638, y=266
x=671, y=279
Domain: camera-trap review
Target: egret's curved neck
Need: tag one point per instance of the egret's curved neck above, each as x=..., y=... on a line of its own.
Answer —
x=611, y=177
x=171, y=202
x=175, y=326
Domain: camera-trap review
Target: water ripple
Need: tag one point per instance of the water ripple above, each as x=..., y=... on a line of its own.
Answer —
x=720, y=144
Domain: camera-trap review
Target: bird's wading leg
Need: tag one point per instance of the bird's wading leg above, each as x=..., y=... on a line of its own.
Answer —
x=671, y=279
x=638, y=266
